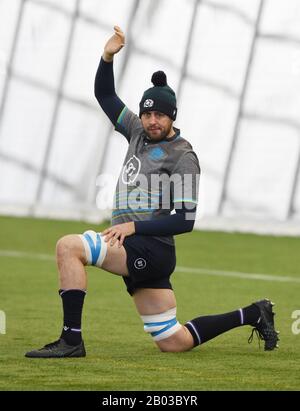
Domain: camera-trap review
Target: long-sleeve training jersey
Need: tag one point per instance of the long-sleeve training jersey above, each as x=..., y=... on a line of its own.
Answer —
x=156, y=178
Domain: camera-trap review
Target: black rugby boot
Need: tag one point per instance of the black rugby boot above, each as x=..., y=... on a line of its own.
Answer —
x=264, y=327
x=58, y=349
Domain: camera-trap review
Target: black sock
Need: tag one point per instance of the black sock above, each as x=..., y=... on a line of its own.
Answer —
x=250, y=315
x=72, y=306
x=207, y=327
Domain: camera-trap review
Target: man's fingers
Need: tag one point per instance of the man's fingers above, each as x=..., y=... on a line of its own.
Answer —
x=105, y=233
x=108, y=237
x=121, y=240
x=120, y=34
x=117, y=232
x=122, y=39
x=115, y=237
x=118, y=31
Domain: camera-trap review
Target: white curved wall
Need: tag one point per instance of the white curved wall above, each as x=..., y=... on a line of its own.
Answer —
x=235, y=66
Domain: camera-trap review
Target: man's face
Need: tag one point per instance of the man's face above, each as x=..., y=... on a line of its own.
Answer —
x=157, y=125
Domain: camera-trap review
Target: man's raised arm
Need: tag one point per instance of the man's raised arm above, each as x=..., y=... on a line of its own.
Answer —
x=104, y=82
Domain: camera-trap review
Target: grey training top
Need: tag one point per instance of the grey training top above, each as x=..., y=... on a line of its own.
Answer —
x=156, y=177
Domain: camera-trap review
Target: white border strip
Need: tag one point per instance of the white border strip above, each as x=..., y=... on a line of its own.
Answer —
x=191, y=270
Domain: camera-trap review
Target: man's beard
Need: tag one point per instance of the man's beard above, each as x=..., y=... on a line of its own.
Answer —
x=160, y=136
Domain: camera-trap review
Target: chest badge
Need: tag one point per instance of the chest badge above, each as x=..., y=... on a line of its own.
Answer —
x=157, y=153
x=131, y=170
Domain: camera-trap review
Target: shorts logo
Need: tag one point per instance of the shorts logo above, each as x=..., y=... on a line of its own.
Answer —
x=148, y=103
x=140, y=263
x=131, y=170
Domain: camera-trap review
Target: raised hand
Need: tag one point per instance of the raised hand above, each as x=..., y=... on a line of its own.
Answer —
x=114, y=44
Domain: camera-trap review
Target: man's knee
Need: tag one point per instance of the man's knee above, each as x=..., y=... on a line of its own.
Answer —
x=173, y=345
x=69, y=247
x=164, y=329
x=170, y=336
x=94, y=247
x=170, y=348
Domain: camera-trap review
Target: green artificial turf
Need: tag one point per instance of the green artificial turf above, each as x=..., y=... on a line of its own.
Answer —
x=120, y=356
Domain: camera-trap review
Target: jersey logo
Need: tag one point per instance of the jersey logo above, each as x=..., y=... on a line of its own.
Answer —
x=148, y=103
x=157, y=153
x=131, y=170
x=140, y=263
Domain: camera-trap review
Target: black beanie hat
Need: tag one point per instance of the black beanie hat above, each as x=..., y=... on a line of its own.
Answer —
x=160, y=97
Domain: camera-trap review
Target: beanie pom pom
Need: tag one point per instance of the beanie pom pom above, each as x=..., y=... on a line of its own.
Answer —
x=159, y=78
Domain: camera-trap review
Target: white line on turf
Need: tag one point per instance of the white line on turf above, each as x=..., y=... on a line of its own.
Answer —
x=237, y=274
x=190, y=270
x=24, y=254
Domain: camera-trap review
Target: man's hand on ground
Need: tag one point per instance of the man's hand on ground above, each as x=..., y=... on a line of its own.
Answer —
x=119, y=231
x=114, y=45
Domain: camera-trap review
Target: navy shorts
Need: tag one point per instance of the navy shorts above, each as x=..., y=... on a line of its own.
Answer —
x=150, y=263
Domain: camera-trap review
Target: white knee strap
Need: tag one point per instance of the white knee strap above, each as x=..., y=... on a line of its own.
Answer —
x=95, y=247
x=161, y=326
